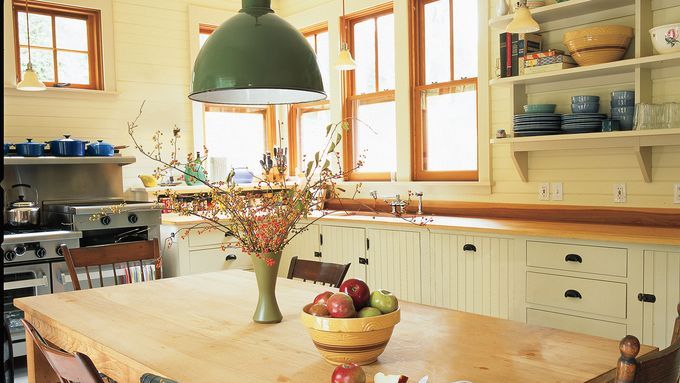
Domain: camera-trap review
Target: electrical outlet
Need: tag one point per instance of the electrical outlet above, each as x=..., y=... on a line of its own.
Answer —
x=676, y=193
x=556, y=191
x=544, y=192
x=620, y=193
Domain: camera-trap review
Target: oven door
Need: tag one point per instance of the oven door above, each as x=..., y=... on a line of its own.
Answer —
x=20, y=282
x=61, y=279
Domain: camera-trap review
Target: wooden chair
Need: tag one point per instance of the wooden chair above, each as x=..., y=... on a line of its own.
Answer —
x=68, y=367
x=657, y=367
x=130, y=256
x=7, y=354
x=318, y=272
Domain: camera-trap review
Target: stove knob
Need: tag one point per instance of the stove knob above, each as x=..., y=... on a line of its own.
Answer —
x=132, y=218
x=10, y=255
x=59, y=252
x=40, y=252
x=105, y=220
x=20, y=250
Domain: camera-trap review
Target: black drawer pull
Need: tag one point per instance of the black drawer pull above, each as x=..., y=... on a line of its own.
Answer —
x=572, y=294
x=317, y=254
x=469, y=247
x=230, y=257
x=363, y=261
x=647, y=298
x=573, y=258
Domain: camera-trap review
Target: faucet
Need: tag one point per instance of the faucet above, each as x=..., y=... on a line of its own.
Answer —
x=420, y=203
x=398, y=206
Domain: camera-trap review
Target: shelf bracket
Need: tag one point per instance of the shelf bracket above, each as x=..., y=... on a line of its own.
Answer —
x=521, y=161
x=643, y=154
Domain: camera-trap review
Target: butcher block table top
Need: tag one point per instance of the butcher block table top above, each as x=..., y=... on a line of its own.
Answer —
x=199, y=329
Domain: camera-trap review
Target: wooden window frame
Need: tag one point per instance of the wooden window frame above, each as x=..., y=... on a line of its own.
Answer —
x=94, y=39
x=418, y=85
x=268, y=115
x=351, y=99
x=296, y=111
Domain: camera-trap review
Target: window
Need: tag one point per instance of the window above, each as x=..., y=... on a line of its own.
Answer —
x=444, y=108
x=307, y=122
x=237, y=135
x=65, y=44
x=369, y=103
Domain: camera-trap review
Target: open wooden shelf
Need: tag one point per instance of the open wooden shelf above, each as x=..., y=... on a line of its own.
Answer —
x=616, y=67
x=640, y=143
x=565, y=10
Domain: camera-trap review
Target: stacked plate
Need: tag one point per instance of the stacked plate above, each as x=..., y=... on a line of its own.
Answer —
x=582, y=122
x=536, y=124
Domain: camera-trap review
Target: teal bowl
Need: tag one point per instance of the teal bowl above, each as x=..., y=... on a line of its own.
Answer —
x=539, y=108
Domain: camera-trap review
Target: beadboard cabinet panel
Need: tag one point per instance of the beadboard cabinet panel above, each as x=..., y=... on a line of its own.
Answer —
x=344, y=245
x=303, y=246
x=662, y=279
x=394, y=262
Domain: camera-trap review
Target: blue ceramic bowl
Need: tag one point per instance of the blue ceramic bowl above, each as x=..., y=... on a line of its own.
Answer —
x=623, y=110
x=585, y=107
x=584, y=99
x=623, y=95
x=617, y=103
x=625, y=121
x=610, y=125
x=540, y=108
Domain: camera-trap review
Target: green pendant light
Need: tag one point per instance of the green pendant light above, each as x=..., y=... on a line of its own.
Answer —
x=256, y=58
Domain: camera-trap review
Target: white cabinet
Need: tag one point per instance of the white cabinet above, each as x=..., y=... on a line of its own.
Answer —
x=303, y=246
x=469, y=273
x=394, y=262
x=662, y=280
x=344, y=245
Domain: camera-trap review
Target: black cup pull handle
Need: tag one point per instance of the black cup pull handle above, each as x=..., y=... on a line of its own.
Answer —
x=21, y=186
x=572, y=294
x=230, y=257
x=573, y=258
x=469, y=247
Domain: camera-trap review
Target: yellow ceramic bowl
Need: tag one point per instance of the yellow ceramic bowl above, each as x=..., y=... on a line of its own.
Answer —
x=344, y=340
x=597, y=45
x=148, y=181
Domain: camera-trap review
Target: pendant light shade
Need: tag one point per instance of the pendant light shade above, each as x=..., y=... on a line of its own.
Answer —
x=345, y=60
x=256, y=58
x=522, y=22
x=31, y=82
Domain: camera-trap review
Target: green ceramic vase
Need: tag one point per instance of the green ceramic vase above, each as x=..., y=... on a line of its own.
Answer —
x=267, y=310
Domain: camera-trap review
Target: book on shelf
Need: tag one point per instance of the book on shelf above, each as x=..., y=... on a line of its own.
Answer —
x=526, y=43
x=549, y=60
x=506, y=54
x=513, y=48
x=548, y=68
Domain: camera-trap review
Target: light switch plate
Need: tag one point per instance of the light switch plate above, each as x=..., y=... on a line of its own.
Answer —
x=620, y=193
x=556, y=191
x=676, y=193
x=544, y=192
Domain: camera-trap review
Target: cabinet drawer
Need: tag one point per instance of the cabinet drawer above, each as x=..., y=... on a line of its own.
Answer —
x=596, y=297
x=212, y=238
x=205, y=261
x=586, y=259
x=576, y=324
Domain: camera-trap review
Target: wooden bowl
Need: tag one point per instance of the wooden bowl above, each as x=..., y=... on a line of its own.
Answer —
x=344, y=340
x=597, y=45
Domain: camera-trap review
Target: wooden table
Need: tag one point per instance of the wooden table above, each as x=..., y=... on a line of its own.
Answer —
x=199, y=329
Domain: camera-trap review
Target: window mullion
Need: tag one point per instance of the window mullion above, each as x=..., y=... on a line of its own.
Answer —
x=451, y=47
x=54, y=47
x=377, y=64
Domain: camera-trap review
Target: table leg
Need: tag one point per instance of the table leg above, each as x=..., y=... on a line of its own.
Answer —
x=39, y=369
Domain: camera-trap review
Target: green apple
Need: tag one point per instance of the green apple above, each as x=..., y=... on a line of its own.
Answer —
x=384, y=301
x=369, y=312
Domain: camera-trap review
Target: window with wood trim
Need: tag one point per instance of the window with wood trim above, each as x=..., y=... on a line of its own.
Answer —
x=307, y=122
x=236, y=136
x=444, y=65
x=65, y=44
x=369, y=94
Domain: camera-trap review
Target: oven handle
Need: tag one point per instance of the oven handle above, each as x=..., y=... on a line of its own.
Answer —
x=15, y=285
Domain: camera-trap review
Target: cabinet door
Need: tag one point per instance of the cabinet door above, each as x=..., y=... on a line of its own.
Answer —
x=662, y=279
x=304, y=246
x=469, y=273
x=209, y=260
x=344, y=245
x=394, y=263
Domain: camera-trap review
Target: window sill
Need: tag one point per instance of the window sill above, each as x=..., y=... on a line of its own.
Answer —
x=11, y=90
x=437, y=187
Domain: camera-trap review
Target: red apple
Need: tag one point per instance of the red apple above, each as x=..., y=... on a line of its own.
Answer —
x=319, y=310
x=348, y=373
x=358, y=290
x=340, y=305
x=323, y=297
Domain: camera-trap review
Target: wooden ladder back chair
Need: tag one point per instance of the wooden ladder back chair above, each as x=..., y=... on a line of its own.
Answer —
x=318, y=272
x=130, y=255
x=68, y=367
x=656, y=367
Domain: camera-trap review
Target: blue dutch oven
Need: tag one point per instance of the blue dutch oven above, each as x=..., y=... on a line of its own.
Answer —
x=30, y=149
x=7, y=147
x=100, y=148
x=67, y=147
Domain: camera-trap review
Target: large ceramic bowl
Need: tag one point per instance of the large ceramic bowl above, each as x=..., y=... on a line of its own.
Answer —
x=344, y=340
x=597, y=45
x=666, y=38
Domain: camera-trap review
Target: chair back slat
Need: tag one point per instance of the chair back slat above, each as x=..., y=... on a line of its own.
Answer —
x=68, y=367
x=676, y=330
x=318, y=272
x=125, y=255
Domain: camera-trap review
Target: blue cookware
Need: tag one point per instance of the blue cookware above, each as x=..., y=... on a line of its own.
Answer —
x=7, y=147
x=30, y=149
x=100, y=148
x=67, y=147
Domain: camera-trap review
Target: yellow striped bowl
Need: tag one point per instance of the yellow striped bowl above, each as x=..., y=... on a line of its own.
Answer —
x=597, y=45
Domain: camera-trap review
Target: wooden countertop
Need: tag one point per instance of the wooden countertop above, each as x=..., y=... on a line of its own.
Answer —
x=198, y=328
x=567, y=230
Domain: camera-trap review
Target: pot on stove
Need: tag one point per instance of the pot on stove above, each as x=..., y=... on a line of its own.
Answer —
x=22, y=212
